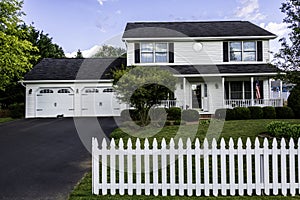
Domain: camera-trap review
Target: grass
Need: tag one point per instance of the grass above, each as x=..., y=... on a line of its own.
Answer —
x=231, y=129
x=8, y=119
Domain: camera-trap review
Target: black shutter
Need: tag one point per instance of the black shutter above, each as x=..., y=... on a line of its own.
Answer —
x=171, y=52
x=259, y=51
x=225, y=52
x=137, y=53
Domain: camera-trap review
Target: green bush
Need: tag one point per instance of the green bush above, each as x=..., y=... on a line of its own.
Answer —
x=17, y=110
x=174, y=113
x=190, y=115
x=294, y=101
x=269, y=112
x=227, y=114
x=168, y=123
x=284, y=113
x=220, y=113
x=4, y=113
x=158, y=114
x=283, y=129
x=256, y=112
x=176, y=122
x=242, y=113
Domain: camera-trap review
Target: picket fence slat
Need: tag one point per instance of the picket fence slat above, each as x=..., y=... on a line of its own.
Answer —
x=186, y=168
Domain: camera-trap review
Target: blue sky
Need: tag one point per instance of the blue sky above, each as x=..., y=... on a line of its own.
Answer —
x=87, y=24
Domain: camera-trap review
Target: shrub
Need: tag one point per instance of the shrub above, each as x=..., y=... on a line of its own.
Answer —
x=158, y=114
x=269, y=112
x=223, y=113
x=284, y=112
x=283, y=129
x=4, y=113
x=242, y=113
x=17, y=110
x=256, y=112
x=176, y=122
x=294, y=101
x=168, y=123
x=190, y=115
x=174, y=113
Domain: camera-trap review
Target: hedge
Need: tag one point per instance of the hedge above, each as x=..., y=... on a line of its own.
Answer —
x=190, y=115
x=174, y=113
x=17, y=110
x=242, y=113
x=284, y=113
x=256, y=112
x=269, y=112
x=283, y=129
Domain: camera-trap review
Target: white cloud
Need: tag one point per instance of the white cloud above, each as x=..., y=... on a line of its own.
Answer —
x=279, y=29
x=85, y=53
x=101, y=2
x=249, y=10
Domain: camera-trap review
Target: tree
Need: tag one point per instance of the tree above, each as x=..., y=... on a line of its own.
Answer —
x=15, y=53
x=79, y=54
x=47, y=49
x=288, y=57
x=143, y=87
x=109, y=51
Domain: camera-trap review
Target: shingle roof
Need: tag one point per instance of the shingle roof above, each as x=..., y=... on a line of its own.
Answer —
x=224, y=69
x=100, y=68
x=193, y=29
x=72, y=69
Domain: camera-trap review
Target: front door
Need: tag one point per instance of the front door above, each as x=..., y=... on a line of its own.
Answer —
x=197, y=97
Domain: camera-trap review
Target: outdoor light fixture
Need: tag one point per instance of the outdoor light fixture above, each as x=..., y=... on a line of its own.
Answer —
x=30, y=91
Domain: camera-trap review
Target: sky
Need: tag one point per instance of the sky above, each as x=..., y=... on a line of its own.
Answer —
x=88, y=24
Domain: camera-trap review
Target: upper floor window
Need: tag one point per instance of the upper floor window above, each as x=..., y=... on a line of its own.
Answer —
x=242, y=51
x=154, y=52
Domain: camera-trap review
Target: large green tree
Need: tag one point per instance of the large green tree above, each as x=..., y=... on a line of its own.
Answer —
x=107, y=51
x=16, y=53
x=143, y=87
x=288, y=57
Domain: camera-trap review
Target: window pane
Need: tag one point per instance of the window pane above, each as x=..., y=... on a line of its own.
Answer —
x=161, y=47
x=235, y=46
x=147, y=58
x=147, y=47
x=161, y=57
x=235, y=56
x=236, y=90
x=249, y=46
x=249, y=56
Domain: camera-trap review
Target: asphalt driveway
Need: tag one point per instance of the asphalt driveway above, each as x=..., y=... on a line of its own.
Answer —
x=45, y=158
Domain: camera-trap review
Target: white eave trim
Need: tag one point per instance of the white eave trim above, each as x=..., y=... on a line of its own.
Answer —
x=66, y=81
x=221, y=75
x=200, y=38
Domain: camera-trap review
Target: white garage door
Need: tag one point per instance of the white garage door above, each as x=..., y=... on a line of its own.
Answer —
x=99, y=102
x=51, y=102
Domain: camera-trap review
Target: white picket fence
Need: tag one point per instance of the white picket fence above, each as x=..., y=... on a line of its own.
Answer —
x=186, y=169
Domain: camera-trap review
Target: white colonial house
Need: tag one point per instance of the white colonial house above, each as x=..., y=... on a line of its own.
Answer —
x=220, y=64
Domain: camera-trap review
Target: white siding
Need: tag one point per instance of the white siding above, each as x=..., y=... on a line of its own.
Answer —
x=185, y=53
x=211, y=53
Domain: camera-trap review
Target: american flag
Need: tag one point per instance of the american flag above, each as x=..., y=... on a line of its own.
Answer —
x=257, y=88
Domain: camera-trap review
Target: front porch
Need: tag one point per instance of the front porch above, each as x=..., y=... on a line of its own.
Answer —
x=254, y=102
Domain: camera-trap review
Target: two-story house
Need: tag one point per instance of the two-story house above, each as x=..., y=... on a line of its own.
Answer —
x=220, y=64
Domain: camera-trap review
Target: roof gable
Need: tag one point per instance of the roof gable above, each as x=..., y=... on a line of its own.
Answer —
x=194, y=29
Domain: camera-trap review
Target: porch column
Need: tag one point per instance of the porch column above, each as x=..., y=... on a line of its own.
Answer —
x=223, y=91
x=184, y=93
x=270, y=89
x=280, y=94
x=252, y=91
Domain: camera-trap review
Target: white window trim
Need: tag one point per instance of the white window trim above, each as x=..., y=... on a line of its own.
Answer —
x=242, y=51
x=154, y=48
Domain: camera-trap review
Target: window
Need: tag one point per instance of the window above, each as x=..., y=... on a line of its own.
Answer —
x=236, y=90
x=108, y=90
x=44, y=91
x=154, y=52
x=64, y=91
x=92, y=90
x=242, y=51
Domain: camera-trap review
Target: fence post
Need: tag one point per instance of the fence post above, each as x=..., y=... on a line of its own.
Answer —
x=95, y=166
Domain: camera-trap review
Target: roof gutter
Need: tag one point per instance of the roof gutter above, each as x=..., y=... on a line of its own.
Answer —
x=24, y=82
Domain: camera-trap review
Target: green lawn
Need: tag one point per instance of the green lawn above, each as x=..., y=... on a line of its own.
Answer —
x=8, y=119
x=234, y=129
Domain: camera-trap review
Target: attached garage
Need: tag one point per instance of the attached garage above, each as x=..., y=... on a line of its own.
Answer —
x=72, y=88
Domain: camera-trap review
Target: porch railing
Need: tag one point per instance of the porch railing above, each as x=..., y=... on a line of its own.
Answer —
x=168, y=103
x=232, y=103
